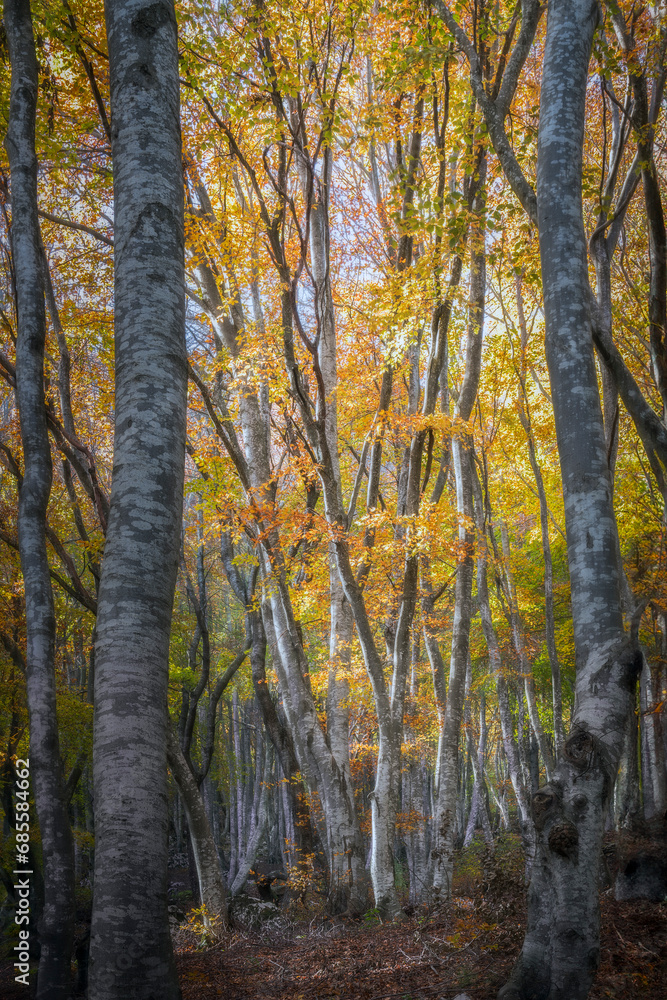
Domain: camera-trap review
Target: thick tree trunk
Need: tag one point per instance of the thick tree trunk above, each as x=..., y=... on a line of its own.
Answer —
x=56, y=923
x=561, y=949
x=130, y=950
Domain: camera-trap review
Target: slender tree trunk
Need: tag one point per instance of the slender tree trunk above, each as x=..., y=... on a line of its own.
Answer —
x=550, y=629
x=343, y=843
x=259, y=819
x=479, y=809
x=341, y=619
x=415, y=799
x=131, y=956
x=384, y=807
x=654, y=776
x=561, y=950
x=525, y=666
x=56, y=923
x=626, y=792
x=444, y=820
x=209, y=874
x=502, y=693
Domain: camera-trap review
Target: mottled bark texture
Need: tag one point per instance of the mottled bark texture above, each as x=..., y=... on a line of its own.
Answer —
x=561, y=949
x=56, y=924
x=130, y=948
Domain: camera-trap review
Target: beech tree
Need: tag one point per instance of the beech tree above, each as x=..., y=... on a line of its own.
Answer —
x=561, y=951
x=56, y=924
x=130, y=947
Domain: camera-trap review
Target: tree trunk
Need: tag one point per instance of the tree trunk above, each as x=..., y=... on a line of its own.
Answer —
x=444, y=825
x=561, y=950
x=479, y=808
x=258, y=819
x=130, y=950
x=549, y=623
x=343, y=843
x=654, y=776
x=626, y=792
x=209, y=874
x=495, y=662
x=56, y=923
x=341, y=627
x=525, y=668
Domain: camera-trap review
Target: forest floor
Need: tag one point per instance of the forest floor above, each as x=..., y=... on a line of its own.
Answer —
x=466, y=947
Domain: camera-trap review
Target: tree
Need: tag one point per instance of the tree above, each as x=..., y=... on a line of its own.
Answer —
x=561, y=951
x=56, y=924
x=130, y=950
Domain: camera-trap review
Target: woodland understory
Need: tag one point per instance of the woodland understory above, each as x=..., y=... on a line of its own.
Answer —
x=333, y=458
x=468, y=947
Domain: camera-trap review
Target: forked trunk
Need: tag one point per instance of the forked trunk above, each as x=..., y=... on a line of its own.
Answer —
x=209, y=873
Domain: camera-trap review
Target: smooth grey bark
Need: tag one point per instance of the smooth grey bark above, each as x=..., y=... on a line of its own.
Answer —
x=415, y=793
x=416, y=802
x=561, y=952
x=130, y=948
x=444, y=816
x=56, y=931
